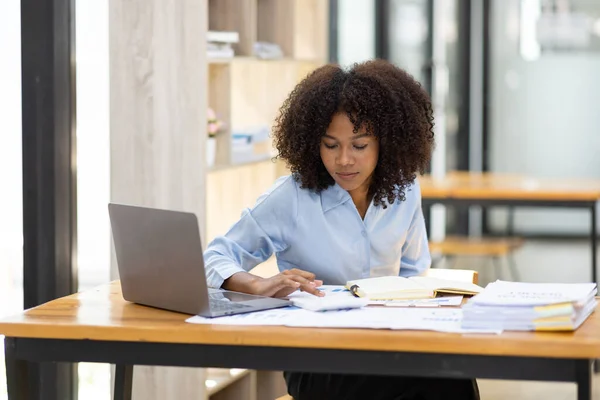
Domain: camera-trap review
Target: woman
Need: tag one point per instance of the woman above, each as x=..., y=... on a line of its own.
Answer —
x=354, y=141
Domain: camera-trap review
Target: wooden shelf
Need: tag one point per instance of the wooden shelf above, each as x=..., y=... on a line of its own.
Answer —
x=235, y=15
x=299, y=27
x=229, y=60
x=247, y=92
x=219, y=60
x=261, y=158
x=230, y=190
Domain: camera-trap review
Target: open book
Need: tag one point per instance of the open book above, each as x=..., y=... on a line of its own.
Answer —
x=415, y=287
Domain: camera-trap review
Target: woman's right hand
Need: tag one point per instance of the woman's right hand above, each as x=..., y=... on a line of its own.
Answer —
x=287, y=282
x=279, y=285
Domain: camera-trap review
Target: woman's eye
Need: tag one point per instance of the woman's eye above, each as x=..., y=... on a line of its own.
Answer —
x=360, y=147
x=330, y=146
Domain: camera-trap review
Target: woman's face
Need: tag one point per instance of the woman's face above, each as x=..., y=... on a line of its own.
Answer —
x=350, y=158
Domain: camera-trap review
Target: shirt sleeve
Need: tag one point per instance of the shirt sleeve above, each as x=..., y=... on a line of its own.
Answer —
x=260, y=232
x=416, y=257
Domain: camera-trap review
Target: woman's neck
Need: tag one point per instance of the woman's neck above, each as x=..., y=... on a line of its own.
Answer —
x=361, y=199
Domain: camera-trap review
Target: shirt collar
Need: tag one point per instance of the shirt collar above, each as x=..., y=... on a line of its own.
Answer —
x=333, y=196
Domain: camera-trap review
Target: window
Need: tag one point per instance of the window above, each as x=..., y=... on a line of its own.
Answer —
x=93, y=169
x=356, y=31
x=11, y=205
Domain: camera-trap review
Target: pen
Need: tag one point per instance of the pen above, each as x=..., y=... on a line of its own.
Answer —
x=354, y=290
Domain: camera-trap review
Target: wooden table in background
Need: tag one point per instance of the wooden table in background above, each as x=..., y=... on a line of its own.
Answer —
x=492, y=189
x=99, y=326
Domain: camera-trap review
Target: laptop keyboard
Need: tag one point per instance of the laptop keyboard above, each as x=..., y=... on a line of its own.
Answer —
x=220, y=305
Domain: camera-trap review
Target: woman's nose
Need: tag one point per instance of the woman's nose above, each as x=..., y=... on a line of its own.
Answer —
x=345, y=157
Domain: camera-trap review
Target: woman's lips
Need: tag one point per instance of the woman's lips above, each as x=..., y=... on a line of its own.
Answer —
x=346, y=175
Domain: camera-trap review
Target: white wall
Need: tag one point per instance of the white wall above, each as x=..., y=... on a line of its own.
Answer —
x=93, y=169
x=545, y=118
x=93, y=141
x=11, y=207
x=356, y=37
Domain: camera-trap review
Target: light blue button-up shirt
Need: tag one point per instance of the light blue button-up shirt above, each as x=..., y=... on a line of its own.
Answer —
x=323, y=233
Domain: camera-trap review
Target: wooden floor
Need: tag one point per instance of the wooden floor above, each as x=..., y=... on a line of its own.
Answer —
x=526, y=390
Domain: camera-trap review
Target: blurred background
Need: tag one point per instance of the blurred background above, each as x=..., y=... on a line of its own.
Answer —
x=515, y=86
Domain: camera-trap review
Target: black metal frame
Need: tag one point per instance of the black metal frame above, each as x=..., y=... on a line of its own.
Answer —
x=333, y=31
x=382, y=33
x=459, y=221
x=127, y=354
x=464, y=37
x=428, y=84
x=486, y=87
x=485, y=151
x=512, y=203
x=49, y=180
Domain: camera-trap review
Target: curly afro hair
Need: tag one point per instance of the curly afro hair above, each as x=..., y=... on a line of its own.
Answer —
x=384, y=99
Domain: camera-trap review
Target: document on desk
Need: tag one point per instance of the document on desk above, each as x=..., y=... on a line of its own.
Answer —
x=449, y=301
x=341, y=291
x=428, y=319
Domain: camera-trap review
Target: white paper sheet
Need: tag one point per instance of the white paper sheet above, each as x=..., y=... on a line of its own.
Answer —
x=502, y=293
x=438, y=319
x=436, y=302
x=328, y=303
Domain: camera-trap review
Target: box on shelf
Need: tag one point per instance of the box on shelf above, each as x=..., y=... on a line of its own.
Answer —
x=250, y=144
x=267, y=51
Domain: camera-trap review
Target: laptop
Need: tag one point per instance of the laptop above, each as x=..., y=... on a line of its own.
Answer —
x=160, y=262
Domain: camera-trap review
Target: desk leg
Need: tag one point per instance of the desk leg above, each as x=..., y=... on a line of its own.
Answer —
x=583, y=375
x=594, y=235
x=16, y=372
x=123, y=382
x=510, y=224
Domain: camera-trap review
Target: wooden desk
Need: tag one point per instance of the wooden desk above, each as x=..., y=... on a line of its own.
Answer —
x=99, y=326
x=491, y=189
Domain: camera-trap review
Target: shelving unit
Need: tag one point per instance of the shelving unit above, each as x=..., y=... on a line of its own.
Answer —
x=246, y=92
x=299, y=27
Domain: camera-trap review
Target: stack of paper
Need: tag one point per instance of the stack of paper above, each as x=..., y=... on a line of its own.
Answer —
x=530, y=306
x=219, y=44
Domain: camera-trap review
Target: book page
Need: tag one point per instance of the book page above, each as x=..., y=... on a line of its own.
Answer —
x=436, y=284
x=386, y=284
